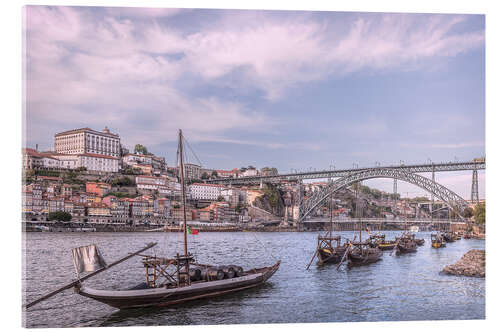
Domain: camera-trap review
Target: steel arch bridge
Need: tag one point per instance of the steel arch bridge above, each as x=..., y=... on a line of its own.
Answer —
x=453, y=200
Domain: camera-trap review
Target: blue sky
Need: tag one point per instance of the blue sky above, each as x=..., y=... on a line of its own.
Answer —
x=288, y=89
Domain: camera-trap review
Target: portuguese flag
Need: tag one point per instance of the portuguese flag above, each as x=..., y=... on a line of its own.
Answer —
x=192, y=231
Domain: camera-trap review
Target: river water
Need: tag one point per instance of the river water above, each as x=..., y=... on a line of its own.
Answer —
x=405, y=287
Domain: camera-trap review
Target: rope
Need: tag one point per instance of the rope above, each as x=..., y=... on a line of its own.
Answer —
x=191, y=149
x=270, y=252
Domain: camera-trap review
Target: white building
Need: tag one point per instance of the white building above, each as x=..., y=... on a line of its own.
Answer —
x=95, y=162
x=232, y=196
x=87, y=141
x=200, y=191
x=150, y=182
x=134, y=159
x=192, y=171
x=249, y=172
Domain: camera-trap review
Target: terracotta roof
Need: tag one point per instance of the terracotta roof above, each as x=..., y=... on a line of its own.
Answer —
x=48, y=178
x=32, y=152
x=85, y=129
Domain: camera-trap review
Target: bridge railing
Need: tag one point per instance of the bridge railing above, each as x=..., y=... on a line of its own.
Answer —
x=412, y=168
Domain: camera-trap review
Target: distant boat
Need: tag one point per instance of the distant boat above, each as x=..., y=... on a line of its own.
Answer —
x=437, y=241
x=329, y=250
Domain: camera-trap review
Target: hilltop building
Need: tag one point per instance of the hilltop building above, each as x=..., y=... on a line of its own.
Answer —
x=87, y=141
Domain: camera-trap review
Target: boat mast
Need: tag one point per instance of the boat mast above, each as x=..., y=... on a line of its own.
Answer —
x=181, y=166
x=357, y=209
x=331, y=213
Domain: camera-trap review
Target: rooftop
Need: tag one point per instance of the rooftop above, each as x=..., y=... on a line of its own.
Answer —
x=106, y=132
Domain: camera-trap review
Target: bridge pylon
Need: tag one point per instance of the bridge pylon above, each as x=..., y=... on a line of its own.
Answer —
x=474, y=194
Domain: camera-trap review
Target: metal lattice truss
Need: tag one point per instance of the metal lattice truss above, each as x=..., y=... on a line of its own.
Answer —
x=412, y=168
x=453, y=200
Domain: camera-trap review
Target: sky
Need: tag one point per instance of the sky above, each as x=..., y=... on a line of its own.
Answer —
x=294, y=90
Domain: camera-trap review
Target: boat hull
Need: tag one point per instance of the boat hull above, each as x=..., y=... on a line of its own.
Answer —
x=358, y=258
x=406, y=248
x=386, y=246
x=325, y=256
x=163, y=297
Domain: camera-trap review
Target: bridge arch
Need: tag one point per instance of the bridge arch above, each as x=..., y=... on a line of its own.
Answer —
x=453, y=200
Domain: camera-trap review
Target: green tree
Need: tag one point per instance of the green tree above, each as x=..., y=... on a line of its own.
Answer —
x=269, y=171
x=122, y=181
x=204, y=175
x=140, y=149
x=220, y=198
x=480, y=213
x=214, y=174
x=468, y=212
x=59, y=216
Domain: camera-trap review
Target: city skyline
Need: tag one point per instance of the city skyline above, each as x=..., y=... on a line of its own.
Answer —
x=288, y=89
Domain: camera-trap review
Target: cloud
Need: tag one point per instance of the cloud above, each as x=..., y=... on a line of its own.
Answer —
x=132, y=69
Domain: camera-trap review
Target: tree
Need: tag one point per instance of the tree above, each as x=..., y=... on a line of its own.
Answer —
x=268, y=171
x=215, y=174
x=220, y=198
x=468, y=212
x=122, y=181
x=204, y=175
x=480, y=213
x=59, y=216
x=140, y=149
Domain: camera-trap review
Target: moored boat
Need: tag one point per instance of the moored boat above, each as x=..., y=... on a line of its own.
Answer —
x=362, y=253
x=448, y=237
x=329, y=249
x=167, y=295
x=406, y=246
x=437, y=241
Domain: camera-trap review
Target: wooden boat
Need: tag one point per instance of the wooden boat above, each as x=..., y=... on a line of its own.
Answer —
x=171, y=294
x=169, y=281
x=327, y=252
x=437, y=241
x=406, y=245
x=362, y=253
x=376, y=239
x=448, y=237
x=329, y=249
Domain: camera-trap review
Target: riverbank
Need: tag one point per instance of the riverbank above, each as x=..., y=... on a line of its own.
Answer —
x=472, y=264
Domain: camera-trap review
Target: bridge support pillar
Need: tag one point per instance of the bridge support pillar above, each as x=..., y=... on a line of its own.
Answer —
x=474, y=194
x=395, y=190
x=432, y=194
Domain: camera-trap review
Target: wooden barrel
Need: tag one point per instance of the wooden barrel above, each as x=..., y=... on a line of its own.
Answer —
x=212, y=273
x=238, y=270
x=195, y=274
x=229, y=272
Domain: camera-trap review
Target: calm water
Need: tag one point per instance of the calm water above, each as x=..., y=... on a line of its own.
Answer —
x=406, y=287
